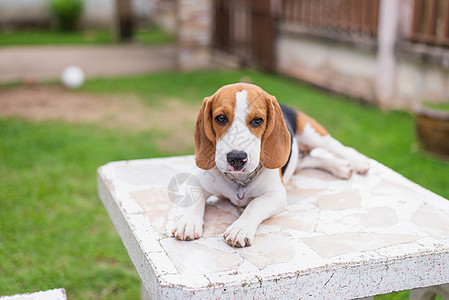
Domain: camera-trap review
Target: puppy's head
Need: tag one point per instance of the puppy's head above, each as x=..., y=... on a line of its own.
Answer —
x=238, y=127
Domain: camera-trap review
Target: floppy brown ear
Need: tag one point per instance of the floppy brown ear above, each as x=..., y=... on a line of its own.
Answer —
x=276, y=141
x=204, y=137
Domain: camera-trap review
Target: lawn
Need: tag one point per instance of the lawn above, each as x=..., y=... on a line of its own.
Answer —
x=54, y=231
x=150, y=36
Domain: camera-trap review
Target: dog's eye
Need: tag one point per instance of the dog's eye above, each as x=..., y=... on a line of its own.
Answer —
x=256, y=122
x=221, y=120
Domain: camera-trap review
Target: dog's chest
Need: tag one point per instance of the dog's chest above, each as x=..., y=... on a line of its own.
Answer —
x=217, y=184
x=240, y=202
x=232, y=191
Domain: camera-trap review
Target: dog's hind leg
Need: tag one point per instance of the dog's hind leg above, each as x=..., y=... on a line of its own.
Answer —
x=324, y=160
x=311, y=138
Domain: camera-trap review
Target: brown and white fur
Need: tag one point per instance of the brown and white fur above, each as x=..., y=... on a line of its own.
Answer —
x=240, y=127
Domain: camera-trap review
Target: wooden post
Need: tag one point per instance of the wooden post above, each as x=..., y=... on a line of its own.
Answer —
x=386, y=62
x=407, y=19
x=124, y=20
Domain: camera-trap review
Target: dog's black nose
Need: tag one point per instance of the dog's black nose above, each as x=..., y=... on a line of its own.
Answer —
x=237, y=159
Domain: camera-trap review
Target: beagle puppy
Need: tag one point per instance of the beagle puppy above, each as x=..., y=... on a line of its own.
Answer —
x=247, y=147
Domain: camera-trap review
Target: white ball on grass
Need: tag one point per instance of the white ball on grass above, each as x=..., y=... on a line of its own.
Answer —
x=72, y=77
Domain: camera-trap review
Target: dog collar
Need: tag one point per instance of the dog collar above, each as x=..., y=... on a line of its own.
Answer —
x=241, y=185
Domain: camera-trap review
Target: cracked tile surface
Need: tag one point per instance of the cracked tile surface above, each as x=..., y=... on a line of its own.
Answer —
x=340, y=238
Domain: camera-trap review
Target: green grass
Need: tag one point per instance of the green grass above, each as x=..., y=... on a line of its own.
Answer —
x=154, y=36
x=443, y=107
x=151, y=36
x=54, y=231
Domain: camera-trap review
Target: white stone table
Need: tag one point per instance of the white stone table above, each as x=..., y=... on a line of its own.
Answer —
x=56, y=294
x=337, y=239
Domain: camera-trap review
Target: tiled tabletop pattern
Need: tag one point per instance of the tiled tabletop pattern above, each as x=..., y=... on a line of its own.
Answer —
x=354, y=238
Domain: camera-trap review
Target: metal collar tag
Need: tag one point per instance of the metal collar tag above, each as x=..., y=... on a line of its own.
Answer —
x=241, y=185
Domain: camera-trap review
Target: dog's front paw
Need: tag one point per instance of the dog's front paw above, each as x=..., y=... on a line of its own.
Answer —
x=188, y=228
x=240, y=234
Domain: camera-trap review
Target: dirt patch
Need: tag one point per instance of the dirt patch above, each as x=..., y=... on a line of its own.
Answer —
x=56, y=103
x=41, y=103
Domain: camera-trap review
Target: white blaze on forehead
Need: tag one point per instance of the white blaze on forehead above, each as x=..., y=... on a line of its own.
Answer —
x=239, y=130
x=241, y=105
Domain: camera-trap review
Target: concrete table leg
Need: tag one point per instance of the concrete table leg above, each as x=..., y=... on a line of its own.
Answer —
x=429, y=293
x=143, y=292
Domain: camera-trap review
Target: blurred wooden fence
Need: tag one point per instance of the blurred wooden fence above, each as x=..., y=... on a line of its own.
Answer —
x=346, y=16
x=431, y=22
x=245, y=29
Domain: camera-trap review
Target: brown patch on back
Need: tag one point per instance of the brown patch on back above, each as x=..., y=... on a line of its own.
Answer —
x=303, y=120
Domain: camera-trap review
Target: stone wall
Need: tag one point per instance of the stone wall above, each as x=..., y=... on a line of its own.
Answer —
x=164, y=15
x=336, y=66
x=193, y=36
x=422, y=74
